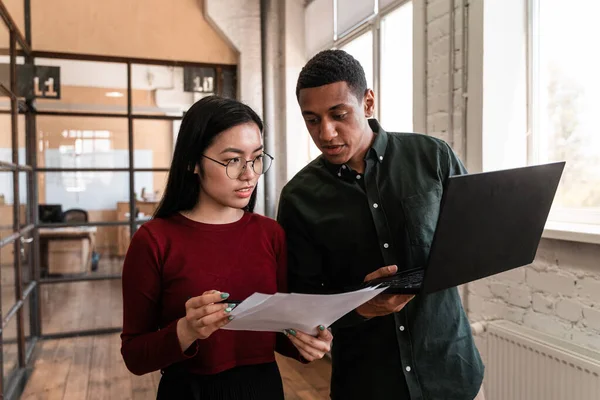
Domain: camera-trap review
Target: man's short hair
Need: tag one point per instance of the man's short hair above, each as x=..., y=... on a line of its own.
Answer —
x=331, y=66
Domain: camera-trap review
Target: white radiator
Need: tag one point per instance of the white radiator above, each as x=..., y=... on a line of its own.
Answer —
x=523, y=364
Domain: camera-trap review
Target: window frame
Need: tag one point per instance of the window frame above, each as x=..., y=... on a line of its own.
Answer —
x=373, y=24
x=563, y=222
x=482, y=134
x=419, y=62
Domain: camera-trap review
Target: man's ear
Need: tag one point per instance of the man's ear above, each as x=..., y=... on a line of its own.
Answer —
x=197, y=169
x=369, y=103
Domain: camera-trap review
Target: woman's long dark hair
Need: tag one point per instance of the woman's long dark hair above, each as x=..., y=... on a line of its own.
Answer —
x=200, y=126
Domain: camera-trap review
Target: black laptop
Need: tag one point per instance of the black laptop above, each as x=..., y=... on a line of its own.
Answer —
x=488, y=223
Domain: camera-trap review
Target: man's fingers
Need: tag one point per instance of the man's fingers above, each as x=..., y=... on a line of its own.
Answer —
x=384, y=304
x=401, y=298
x=402, y=301
x=392, y=298
x=382, y=272
x=395, y=303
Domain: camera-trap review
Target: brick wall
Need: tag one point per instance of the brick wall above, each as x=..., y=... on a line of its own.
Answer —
x=559, y=293
x=444, y=65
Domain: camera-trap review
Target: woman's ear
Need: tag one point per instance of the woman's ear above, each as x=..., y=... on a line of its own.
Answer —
x=195, y=170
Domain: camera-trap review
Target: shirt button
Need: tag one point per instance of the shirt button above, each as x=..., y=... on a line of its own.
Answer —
x=380, y=158
x=358, y=176
x=407, y=369
x=339, y=174
x=343, y=167
x=375, y=205
x=401, y=328
x=385, y=245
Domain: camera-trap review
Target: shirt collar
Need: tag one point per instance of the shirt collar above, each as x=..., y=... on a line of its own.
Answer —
x=376, y=152
x=380, y=143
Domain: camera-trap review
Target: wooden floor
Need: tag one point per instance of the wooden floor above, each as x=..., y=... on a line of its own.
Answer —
x=92, y=368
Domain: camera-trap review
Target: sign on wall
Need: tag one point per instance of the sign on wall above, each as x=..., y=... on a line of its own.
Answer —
x=34, y=81
x=45, y=82
x=199, y=79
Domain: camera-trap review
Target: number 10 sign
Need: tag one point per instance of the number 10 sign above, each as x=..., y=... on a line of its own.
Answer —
x=199, y=79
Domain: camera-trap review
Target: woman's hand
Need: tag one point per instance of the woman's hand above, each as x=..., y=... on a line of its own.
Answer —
x=310, y=347
x=203, y=316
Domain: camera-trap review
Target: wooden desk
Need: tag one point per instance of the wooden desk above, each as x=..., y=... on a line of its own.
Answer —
x=6, y=229
x=67, y=250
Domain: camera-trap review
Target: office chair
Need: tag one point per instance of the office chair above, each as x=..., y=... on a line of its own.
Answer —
x=75, y=215
x=80, y=215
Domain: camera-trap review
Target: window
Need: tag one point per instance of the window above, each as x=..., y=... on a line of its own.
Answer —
x=533, y=97
x=90, y=148
x=564, y=103
x=361, y=48
x=396, y=77
x=379, y=34
x=350, y=13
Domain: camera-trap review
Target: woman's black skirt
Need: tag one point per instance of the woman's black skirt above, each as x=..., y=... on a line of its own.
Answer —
x=251, y=382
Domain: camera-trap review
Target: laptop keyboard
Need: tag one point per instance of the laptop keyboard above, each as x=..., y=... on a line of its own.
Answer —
x=412, y=279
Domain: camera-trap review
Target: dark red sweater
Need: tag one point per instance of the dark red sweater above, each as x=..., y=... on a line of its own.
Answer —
x=170, y=260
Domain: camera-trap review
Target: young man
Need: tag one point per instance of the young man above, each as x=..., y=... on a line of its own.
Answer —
x=368, y=207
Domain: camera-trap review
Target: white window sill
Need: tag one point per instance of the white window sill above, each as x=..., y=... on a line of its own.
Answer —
x=584, y=233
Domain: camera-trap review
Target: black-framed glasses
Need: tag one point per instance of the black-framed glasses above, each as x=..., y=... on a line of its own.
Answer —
x=235, y=167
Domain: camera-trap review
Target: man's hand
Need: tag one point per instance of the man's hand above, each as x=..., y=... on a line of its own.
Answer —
x=383, y=304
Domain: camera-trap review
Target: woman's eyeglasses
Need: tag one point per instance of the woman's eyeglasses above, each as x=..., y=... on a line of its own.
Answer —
x=235, y=167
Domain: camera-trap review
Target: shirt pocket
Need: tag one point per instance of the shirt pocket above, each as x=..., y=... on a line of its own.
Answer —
x=421, y=213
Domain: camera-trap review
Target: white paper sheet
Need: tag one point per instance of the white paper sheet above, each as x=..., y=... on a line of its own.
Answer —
x=302, y=312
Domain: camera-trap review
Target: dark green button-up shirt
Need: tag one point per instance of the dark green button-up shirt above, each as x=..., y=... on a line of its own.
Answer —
x=341, y=226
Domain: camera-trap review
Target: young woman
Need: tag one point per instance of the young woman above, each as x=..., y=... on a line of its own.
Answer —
x=205, y=246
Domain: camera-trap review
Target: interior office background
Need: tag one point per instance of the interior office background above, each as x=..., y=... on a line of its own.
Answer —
x=496, y=80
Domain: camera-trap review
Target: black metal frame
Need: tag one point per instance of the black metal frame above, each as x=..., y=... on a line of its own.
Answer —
x=16, y=239
x=133, y=222
x=32, y=292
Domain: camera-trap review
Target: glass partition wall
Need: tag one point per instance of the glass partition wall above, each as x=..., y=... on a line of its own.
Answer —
x=17, y=229
x=85, y=146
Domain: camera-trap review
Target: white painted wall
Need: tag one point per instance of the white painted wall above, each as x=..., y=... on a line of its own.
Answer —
x=239, y=22
x=298, y=141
